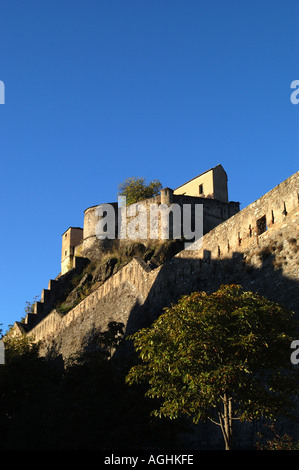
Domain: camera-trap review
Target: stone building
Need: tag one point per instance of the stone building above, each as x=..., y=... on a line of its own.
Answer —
x=210, y=184
x=71, y=239
x=208, y=190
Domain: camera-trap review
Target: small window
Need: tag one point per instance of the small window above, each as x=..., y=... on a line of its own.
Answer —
x=200, y=188
x=65, y=253
x=261, y=225
x=65, y=235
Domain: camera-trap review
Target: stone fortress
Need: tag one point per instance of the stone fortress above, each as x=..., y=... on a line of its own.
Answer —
x=256, y=247
x=208, y=189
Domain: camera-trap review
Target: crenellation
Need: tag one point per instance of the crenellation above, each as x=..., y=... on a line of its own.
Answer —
x=45, y=295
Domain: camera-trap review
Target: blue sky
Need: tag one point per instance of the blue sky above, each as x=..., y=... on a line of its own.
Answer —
x=98, y=91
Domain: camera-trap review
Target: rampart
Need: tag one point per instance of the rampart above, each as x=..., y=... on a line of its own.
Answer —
x=135, y=274
x=261, y=257
x=245, y=227
x=214, y=213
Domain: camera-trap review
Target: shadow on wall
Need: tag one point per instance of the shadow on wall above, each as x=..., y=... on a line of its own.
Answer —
x=124, y=303
x=181, y=276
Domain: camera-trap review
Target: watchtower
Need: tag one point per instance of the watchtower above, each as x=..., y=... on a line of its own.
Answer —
x=71, y=238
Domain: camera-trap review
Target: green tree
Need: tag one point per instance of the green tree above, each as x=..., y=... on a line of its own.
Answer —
x=136, y=189
x=79, y=404
x=218, y=357
x=23, y=380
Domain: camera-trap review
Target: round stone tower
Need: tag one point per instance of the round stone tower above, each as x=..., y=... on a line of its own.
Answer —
x=91, y=238
x=166, y=196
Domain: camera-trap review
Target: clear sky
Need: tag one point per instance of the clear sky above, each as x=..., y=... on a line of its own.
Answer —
x=100, y=90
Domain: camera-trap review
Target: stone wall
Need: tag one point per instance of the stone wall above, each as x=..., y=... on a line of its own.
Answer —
x=246, y=227
x=136, y=295
x=136, y=274
x=214, y=212
x=49, y=297
x=266, y=263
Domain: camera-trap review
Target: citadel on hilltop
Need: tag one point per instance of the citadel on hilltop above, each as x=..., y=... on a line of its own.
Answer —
x=256, y=247
x=208, y=189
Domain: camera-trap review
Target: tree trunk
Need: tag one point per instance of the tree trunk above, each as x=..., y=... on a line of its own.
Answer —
x=225, y=419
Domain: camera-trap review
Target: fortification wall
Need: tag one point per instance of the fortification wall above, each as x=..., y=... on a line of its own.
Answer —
x=141, y=223
x=136, y=274
x=115, y=300
x=50, y=296
x=266, y=263
x=245, y=228
x=136, y=295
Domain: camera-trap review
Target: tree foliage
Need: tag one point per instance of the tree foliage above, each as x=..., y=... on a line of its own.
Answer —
x=81, y=404
x=277, y=441
x=136, y=189
x=218, y=357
